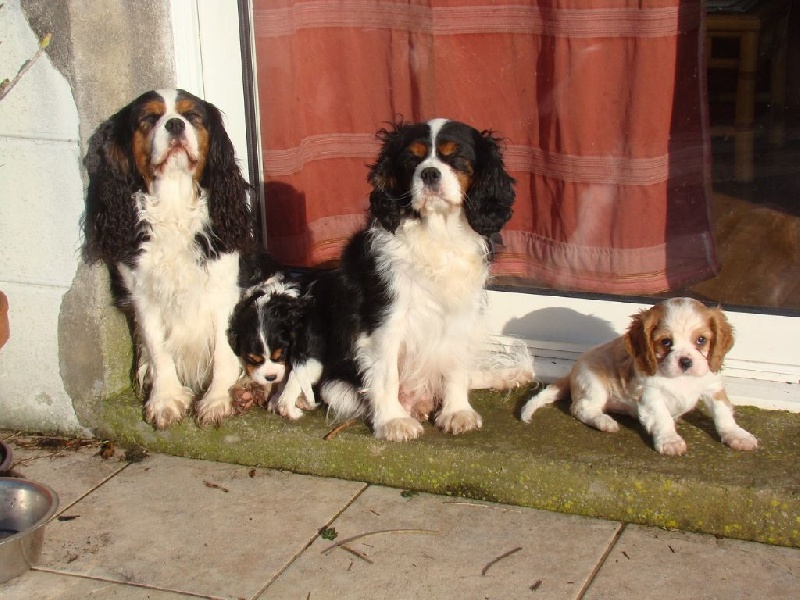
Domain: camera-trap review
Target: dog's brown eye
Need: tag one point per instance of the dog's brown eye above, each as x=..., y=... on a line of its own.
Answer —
x=667, y=343
x=193, y=117
x=254, y=359
x=148, y=121
x=701, y=341
x=277, y=355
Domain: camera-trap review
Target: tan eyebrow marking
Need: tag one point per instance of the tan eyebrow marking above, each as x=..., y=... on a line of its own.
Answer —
x=154, y=107
x=255, y=358
x=418, y=149
x=185, y=104
x=447, y=148
x=276, y=355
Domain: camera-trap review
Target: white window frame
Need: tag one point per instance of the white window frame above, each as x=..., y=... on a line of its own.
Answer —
x=763, y=369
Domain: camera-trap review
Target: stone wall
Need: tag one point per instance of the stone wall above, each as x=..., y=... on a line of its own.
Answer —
x=68, y=346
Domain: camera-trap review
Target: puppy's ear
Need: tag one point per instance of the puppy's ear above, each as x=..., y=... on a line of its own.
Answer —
x=491, y=195
x=110, y=221
x=639, y=343
x=389, y=201
x=235, y=326
x=243, y=318
x=722, y=340
x=228, y=205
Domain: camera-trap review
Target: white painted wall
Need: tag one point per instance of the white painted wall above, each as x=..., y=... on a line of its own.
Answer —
x=208, y=62
x=41, y=200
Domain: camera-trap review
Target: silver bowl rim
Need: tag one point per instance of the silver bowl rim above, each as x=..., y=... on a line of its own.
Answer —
x=40, y=487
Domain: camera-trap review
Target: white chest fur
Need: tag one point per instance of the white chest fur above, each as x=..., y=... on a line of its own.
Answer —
x=175, y=289
x=440, y=259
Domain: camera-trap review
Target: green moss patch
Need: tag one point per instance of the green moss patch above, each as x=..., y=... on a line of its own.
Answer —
x=555, y=463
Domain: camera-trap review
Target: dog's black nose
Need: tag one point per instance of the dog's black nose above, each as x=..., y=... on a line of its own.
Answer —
x=271, y=377
x=685, y=363
x=175, y=126
x=430, y=175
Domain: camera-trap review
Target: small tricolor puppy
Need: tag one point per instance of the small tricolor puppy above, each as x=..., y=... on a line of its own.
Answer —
x=392, y=334
x=668, y=360
x=167, y=209
x=270, y=332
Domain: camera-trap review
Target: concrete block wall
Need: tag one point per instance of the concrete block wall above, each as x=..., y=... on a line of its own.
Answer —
x=67, y=345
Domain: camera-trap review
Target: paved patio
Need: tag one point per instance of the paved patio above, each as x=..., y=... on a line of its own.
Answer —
x=154, y=526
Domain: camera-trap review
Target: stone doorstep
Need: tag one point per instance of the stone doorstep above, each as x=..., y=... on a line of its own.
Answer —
x=555, y=463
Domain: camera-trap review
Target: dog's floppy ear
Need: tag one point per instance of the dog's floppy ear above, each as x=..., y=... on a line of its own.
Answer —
x=639, y=342
x=236, y=324
x=228, y=207
x=491, y=195
x=721, y=341
x=110, y=221
x=389, y=201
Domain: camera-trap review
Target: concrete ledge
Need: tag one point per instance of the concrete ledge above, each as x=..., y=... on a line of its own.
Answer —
x=555, y=463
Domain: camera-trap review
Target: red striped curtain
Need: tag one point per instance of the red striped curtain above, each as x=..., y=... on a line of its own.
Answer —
x=601, y=104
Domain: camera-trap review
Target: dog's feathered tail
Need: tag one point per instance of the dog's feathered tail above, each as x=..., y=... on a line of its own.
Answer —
x=501, y=364
x=555, y=392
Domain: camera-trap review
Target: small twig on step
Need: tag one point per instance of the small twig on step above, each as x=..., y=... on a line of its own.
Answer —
x=338, y=429
x=499, y=558
x=360, y=555
x=215, y=486
x=382, y=531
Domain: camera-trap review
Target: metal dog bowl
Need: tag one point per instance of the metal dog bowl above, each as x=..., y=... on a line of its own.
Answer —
x=5, y=458
x=25, y=508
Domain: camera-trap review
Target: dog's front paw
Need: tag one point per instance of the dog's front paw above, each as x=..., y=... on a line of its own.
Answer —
x=165, y=409
x=606, y=423
x=288, y=410
x=212, y=409
x=670, y=445
x=740, y=439
x=305, y=404
x=460, y=421
x=401, y=429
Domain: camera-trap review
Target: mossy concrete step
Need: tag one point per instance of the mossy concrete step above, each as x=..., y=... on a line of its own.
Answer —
x=555, y=463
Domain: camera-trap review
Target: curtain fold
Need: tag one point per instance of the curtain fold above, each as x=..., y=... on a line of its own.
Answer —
x=601, y=105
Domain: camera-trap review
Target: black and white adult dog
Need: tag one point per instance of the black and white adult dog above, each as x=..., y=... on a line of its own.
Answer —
x=393, y=332
x=167, y=209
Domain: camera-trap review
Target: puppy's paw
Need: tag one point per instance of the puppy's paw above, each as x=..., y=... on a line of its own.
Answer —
x=305, y=404
x=289, y=410
x=740, y=439
x=212, y=409
x=460, y=421
x=166, y=408
x=670, y=445
x=606, y=423
x=401, y=429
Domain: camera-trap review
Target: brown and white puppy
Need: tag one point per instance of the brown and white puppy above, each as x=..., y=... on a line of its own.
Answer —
x=669, y=358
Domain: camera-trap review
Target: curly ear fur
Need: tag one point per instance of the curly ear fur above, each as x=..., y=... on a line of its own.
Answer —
x=110, y=221
x=722, y=340
x=244, y=315
x=232, y=221
x=388, y=201
x=489, y=199
x=638, y=340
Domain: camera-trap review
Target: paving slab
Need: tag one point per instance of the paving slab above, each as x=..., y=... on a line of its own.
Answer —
x=395, y=544
x=193, y=526
x=73, y=468
x=41, y=585
x=555, y=463
x=650, y=563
